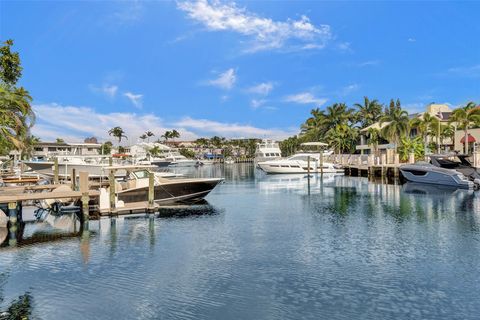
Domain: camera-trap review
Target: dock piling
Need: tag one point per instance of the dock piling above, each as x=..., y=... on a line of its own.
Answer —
x=111, y=180
x=73, y=179
x=55, y=171
x=151, y=192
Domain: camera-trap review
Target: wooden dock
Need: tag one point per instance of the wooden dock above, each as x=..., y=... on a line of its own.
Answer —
x=385, y=170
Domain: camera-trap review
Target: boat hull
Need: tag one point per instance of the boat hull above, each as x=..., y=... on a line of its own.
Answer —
x=415, y=174
x=295, y=168
x=160, y=163
x=172, y=192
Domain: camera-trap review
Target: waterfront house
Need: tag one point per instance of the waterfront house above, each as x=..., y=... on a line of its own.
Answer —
x=440, y=111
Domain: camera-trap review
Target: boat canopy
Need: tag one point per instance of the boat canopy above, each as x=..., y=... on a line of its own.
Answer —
x=314, y=144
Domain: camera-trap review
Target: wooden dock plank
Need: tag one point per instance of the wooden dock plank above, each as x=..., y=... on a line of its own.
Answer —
x=45, y=195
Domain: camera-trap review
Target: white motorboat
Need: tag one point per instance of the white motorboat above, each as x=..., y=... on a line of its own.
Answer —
x=424, y=172
x=267, y=150
x=177, y=160
x=298, y=163
x=94, y=165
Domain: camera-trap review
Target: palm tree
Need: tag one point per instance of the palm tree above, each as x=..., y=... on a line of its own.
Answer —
x=374, y=138
x=155, y=151
x=447, y=131
x=369, y=112
x=427, y=126
x=465, y=117
x=16, y=116
x=167, y=135
x=397, y=125
x=149, y=134
x=118, y=133
x=143, y=137
x=175, y=134
x=342, y=138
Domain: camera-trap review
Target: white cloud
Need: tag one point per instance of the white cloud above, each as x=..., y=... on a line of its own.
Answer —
x=225, y=80
x=256, y=103
x=345, y=46
x=108, y=90
x=349, y=89
x=75, y=123
x=264, y=33
x=135, y=99
x=263, y=88
x=470, y=71
x=305, y=98
x=369, y=63
x=232, y=130
x=412, y=40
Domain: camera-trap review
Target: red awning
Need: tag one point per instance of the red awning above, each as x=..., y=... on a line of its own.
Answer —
x=470, y=139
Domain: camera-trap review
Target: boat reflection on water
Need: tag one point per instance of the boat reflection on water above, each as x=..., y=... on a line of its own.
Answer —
x=295, y=183
x=50, y=227
x=434, y=190
x=347, y=196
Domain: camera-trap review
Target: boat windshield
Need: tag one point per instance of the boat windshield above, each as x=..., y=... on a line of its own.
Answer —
x=140, y=174
x=302, y=158
x=449, y=163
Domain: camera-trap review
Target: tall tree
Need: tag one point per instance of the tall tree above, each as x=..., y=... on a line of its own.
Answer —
x=118, y=133
x=465, y=117
x=16, y=113
x=143, y=137
x=397, y=124
x=427, y=125
x=149, y=134
x=369, y=112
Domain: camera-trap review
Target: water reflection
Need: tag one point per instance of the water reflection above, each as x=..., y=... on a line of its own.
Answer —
x=265, y=247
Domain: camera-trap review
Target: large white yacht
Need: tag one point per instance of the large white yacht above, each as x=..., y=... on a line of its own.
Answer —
x=298, y=163
x=267, y=150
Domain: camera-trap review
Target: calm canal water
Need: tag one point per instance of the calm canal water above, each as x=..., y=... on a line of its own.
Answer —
x=264, y=247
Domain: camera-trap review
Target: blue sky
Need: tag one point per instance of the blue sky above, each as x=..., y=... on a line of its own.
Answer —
x=234, y=69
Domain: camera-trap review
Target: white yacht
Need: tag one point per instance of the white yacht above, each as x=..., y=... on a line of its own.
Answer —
x=94, y=165
x=141, y=154
x=267, y=150
x=298, y=163
x=177, y=160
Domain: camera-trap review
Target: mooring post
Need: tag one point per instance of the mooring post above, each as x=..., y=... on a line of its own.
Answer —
x=83, y=187
x=13, y=213
x=321, y=163
x=151, y=192
x=55, y=170
x=111, y=180
x=73, y=179
x=110, y=161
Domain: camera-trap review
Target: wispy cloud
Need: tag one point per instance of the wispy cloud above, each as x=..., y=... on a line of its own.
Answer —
x=345, y=91
x=469, y=71
x=345, y=47
x=412, y=40
x=75, y=123
x=109, y=91
x=231, y=130
x=264, y=33
x=305, y=98
x=126, y=13
x=263, y=88
x=369, y=63
x=257, y=103
x=135, y=99
x=225, y=80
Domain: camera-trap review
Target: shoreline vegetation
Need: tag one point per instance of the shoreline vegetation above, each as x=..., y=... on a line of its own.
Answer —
x=338, y=125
